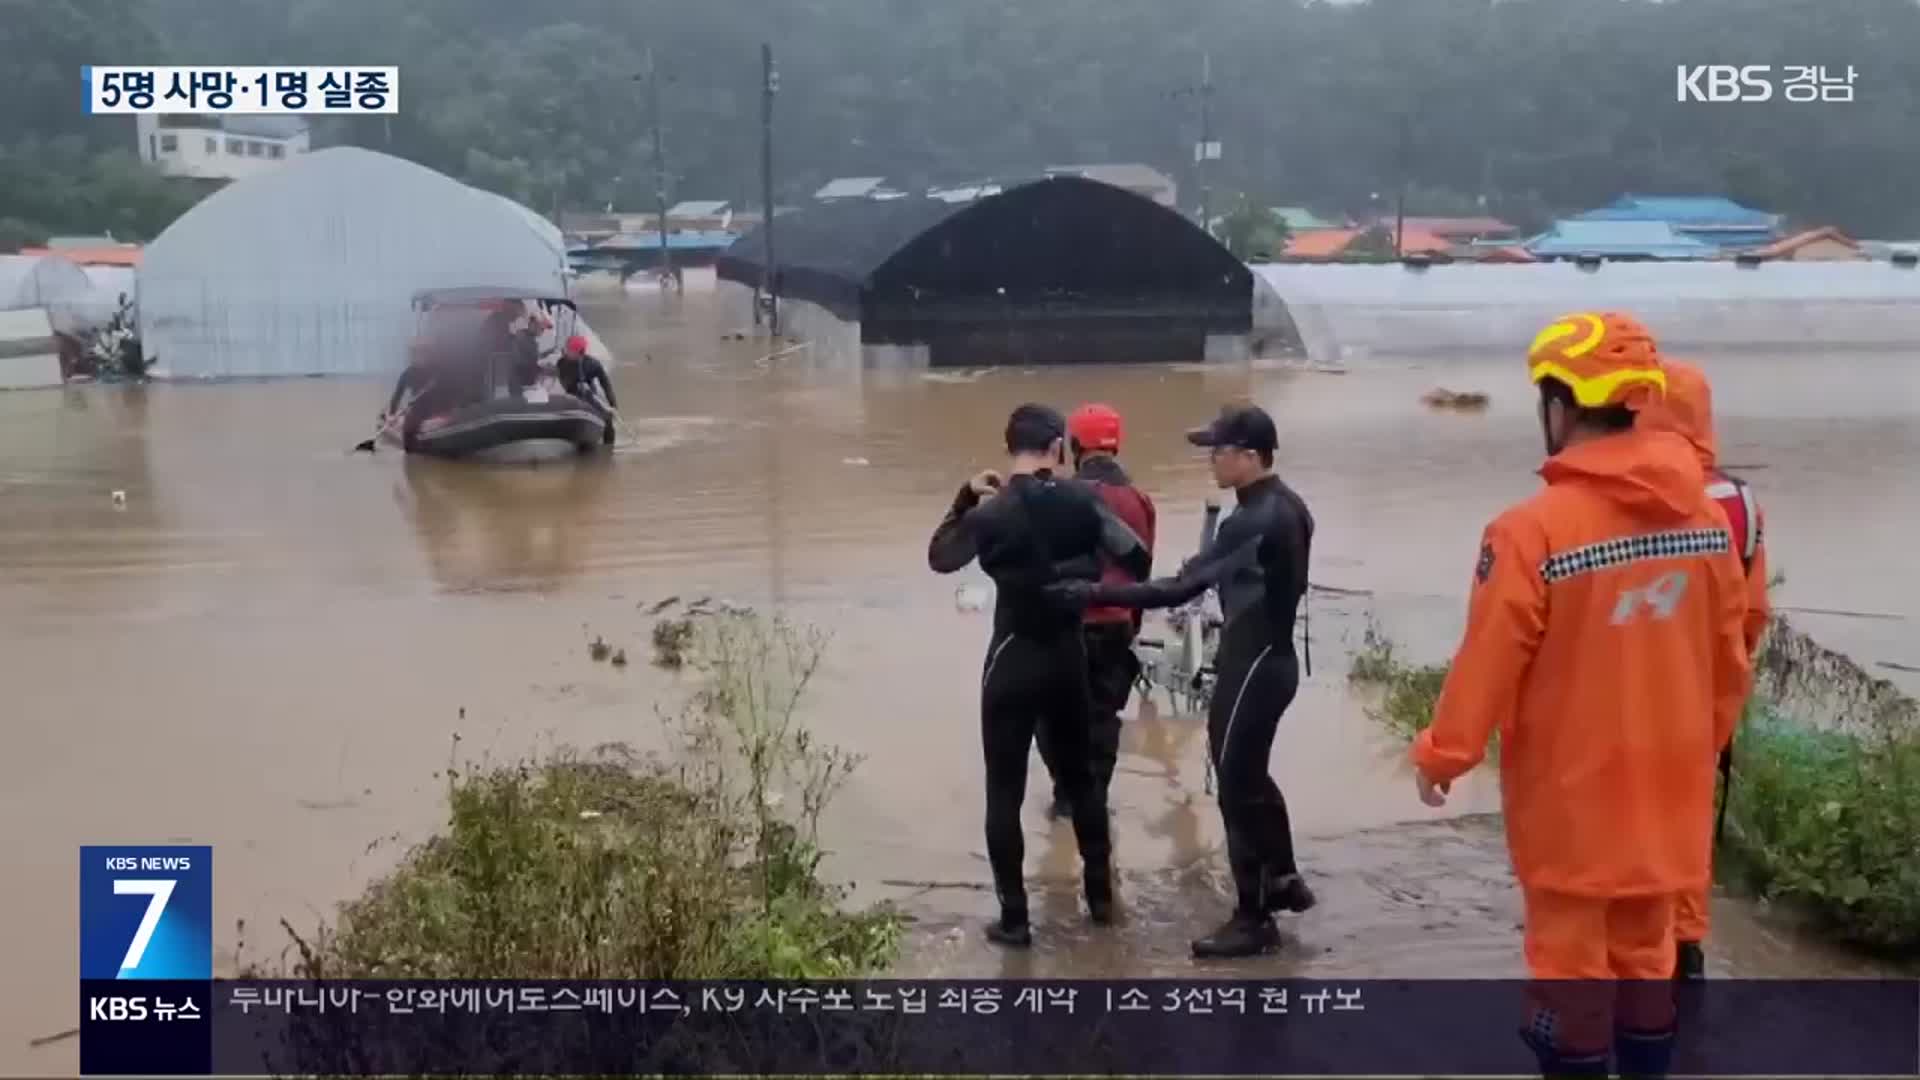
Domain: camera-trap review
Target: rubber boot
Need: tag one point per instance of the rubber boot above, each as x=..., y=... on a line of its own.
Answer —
x=1241, y=936
x=1556, y=1062
x=1689, y=962
x=1643, y=1053
x=1099, y=886
x=1012, y=929
x=1287, y=892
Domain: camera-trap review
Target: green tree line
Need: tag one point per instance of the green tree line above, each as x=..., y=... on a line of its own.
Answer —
x=1525, y=108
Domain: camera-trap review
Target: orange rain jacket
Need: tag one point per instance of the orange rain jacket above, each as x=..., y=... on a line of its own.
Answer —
x=1604, y=644
x=1687, y=410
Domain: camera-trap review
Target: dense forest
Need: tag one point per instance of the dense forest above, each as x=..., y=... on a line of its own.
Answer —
x=1523, y=107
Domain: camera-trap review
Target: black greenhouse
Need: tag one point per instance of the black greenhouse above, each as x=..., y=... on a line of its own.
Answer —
x=1060, y=270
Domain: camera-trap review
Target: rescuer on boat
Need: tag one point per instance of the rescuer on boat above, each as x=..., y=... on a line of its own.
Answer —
x=1093, y=434
x=1258, y=561
x=1688, y=412
x=1029, y=531
x=1604, y=645
x=584, y=377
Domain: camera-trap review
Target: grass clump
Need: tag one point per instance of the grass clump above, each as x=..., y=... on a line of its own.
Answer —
x=1407, y=692
x=608, y=864
x=1824, y=808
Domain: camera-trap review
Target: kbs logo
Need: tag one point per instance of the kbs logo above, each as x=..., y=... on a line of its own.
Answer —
x=146, y=913
x=117, y=1008
x=1724, y=82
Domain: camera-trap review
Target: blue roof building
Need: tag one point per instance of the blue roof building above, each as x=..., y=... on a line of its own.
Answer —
x=1708, y=218
x=1571, y=239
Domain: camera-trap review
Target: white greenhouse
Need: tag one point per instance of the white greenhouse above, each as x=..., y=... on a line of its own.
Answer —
x=310, y=269
x=1349, y=313
x=50, y=282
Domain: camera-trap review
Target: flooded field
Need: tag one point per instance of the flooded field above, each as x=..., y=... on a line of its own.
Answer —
x=274, y=644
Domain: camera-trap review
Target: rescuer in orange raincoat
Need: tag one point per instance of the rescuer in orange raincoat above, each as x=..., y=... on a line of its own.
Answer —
x=1687, y=410
x=1604, y=645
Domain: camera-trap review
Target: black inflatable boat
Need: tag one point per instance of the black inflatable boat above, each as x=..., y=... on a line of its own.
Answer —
x=537, y=425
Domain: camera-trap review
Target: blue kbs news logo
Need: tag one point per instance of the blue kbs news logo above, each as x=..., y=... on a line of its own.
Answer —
x=146, y=912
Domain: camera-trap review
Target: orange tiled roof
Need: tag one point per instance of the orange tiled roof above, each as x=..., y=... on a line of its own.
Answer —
x=1332, y=243
x=1790, y=244
x=103, y=256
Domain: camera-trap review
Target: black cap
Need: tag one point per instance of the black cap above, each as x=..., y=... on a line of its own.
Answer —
x=1244, y=427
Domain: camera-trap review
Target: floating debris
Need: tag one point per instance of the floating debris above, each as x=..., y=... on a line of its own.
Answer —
x=599, y=649
x=1440, y=398
x=672, y=638
x=663, y=605
x=120, y=499
x=619, y=658
x=969, y=599
x=855, y=461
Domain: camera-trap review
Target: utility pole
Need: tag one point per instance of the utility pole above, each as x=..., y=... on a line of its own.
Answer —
x=769, y=85
x=1406, y=164
x=659, y=165
x=1207, y=150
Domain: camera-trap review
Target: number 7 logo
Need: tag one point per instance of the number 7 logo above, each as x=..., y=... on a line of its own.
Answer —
x=161, y=890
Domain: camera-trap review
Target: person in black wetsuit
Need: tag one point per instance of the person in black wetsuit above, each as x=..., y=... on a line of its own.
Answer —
x=586, y=378
x=1029, y=531
x=1258, y=561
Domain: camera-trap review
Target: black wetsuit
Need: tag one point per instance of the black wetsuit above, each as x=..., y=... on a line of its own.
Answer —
x=579, y=376
x=1038, y=530
x=1258, y=561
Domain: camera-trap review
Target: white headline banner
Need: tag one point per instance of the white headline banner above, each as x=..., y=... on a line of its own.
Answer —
x=243, y=91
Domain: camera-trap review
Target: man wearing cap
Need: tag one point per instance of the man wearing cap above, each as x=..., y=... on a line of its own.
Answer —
x=1258, y=561
x=1604, y=647
x=1028, y=531
x=1093, y=435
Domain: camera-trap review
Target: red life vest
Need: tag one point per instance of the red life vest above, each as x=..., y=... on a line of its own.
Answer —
x=1131, y=506
x=1743, y=513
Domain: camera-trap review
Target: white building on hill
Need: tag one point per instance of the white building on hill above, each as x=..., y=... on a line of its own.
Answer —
x=219, y=147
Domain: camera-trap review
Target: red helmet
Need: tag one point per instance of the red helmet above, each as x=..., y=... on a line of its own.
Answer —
x=577, y=345
x=1095, y=427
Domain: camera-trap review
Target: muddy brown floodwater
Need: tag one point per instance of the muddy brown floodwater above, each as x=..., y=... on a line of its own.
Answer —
x=268, y=647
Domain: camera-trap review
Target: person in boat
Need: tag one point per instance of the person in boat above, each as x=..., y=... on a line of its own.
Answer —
x=585, y=377
x=1605, y=644
x=1028, y=531
x=1258, y=561
x=524, y=367
x=1688, y=412
x=1093, y=434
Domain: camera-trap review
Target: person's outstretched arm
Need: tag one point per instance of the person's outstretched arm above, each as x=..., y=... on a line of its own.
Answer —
x=1202, y=572
x=953, y=545
x=606, y=384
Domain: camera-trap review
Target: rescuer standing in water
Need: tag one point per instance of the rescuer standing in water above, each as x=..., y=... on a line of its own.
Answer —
x=1093, y=435
x=1258, y=560
x=1604, y=644
x=1028, y=531
x=1688, y=412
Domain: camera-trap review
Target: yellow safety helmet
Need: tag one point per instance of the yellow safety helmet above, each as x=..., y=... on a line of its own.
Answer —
x=1605, y=358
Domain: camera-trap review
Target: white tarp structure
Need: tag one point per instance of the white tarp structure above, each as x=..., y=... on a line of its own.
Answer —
x=311, y=268
x=1346, y=313
x=51, y=282
x=105, y=286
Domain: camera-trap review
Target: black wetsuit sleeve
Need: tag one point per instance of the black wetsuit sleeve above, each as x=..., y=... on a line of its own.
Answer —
x=409, y=380
x=1122, y=544
x=954, y=545
x=605, y=383
x=1200, y=573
